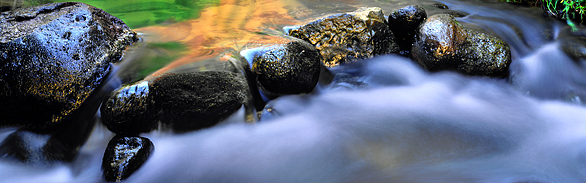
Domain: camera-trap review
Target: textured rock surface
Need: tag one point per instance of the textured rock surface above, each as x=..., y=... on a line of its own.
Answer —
x=290, y=68
x=130, y=110
x=444, y=44
x=348, y=37
x=52, y=57
x=124, y=155
x=404, y=22
x=191, y=101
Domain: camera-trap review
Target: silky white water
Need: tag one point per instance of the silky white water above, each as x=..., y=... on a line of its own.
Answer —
x=386, y=120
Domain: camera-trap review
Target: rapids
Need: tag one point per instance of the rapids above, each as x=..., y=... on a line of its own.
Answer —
x=387, y=120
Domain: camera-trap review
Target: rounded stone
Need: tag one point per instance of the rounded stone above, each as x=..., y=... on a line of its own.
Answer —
x=192, y=101
x=130, y=110
x=124, y=155
x=291, y=68
x=444, y=44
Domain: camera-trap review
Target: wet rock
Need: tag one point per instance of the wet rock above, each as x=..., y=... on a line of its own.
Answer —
x=124, y=155
x=52, y=57
x=404, y=22
x=348, y=37
x=444, y=44
x=191, y=101
x=291, y=68
x=573, y=43
x=130, y=110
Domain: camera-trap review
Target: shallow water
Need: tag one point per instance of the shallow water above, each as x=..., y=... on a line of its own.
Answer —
x=382, y=120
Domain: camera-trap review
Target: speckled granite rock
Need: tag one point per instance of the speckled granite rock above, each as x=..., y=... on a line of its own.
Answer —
x=52, y=57
x=348, y=37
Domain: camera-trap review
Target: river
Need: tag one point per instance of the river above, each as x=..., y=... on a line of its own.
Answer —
x=382, y=120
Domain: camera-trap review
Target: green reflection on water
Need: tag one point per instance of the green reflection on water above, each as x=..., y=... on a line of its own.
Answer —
x=142, y=13
x=167, y=53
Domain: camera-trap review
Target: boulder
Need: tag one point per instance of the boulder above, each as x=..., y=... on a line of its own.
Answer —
x=124, y=155
x=130, y=110
x=52, y=57
x=290, y=68
x=196, y=100
x=348, y=37
x=444, y=44
x=404, y=22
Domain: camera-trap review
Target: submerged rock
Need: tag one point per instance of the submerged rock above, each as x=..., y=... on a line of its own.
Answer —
x=124, y=155
x=52, y=57
x=348, y=37
x=291, y=68
x=404, y=22
x=191, y=101
x=444, y=44
x=130, y=110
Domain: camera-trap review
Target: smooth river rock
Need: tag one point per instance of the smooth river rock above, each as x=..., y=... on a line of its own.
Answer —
x=130, y=110
x=290, y=68
x=52, y=57
x=196, y=100
x=124, y=155
x=348, y=37
x=444, y=44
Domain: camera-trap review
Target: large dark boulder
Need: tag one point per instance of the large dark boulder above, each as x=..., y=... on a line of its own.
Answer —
x=52, y=57
x=130, y=110
x=348, y=37
x=124, y=155
x=444, y=44
x=290, y=68
x=196, y=100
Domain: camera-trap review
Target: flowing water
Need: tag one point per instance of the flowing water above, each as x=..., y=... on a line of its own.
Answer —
x=381, y=120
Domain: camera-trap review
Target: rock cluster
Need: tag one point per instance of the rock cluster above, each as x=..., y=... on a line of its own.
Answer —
x=184, y=102
x=52, y=59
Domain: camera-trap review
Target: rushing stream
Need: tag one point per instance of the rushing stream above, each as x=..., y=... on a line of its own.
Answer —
x=381, y=120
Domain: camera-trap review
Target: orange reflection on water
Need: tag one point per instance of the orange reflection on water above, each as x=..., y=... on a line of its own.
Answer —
x=232, y=24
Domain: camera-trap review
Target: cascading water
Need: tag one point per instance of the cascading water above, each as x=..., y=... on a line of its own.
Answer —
x=387, y=120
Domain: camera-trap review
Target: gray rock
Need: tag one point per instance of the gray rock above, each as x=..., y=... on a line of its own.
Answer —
x=124, y=155
x=444, y=44
x=52, y=57
x=348, y=37
x=192, y=101
x=130, y=110
x=290, y=68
